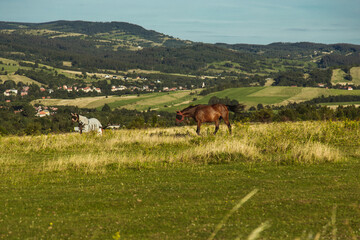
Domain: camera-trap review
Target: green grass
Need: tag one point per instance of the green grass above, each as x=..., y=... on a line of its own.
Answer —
x=9, y=69
x=355, y=74
x=171, y=184
x=182, y=202
x=252, y=96
x=338, y=76
x=18, y=78
x=153, y=100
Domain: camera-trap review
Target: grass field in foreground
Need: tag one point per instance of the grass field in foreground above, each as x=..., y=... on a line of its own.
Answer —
x=171, y=184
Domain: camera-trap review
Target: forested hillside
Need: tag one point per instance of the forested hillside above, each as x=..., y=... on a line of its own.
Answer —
x=98, y=30
x=124, y=46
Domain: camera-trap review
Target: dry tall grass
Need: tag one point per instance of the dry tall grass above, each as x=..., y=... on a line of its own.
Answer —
x=288, y=143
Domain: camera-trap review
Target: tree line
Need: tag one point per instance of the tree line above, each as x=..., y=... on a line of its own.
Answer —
x=297, y=78
x=19, y=118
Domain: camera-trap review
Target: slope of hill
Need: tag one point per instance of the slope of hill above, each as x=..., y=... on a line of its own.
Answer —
x=93, y=54
x=83, y=43
x=123, y=33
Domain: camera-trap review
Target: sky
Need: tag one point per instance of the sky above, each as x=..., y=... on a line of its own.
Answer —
x=210, y=21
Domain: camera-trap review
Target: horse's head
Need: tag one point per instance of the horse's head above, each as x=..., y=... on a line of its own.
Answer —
x=179, y=117
x=74, y=117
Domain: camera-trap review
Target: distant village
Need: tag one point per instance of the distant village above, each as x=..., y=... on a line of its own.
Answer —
x=89, y=89
x=42, y=111
x=25, y=89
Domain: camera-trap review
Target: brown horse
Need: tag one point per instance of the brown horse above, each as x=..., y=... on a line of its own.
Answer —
x=208, y=113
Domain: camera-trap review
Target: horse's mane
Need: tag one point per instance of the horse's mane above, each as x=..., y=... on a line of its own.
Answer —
x=189, y=107
x=83, y=119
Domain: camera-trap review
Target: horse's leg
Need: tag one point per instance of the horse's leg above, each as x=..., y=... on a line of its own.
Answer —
x=198, y=128
x=226, y=120
x=217, y=122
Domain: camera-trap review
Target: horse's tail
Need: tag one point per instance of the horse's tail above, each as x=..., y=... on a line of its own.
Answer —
x=235, y=108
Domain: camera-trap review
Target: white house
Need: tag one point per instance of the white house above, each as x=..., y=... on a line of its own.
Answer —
x=120, y=88
x=43, y=113
x=10, y=92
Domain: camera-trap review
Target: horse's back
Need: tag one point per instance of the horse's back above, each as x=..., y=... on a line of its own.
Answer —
x=209, y=113
x=220, y=108
x=94, y=123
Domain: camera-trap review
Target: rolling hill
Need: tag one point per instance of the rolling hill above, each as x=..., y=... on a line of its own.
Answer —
x=124, y=46
x=122, y=32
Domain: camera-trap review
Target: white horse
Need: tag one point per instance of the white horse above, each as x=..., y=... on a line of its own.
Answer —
x=87, y=124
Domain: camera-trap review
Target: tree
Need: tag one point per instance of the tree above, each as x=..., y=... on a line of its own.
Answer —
x=28, y=111
x=260, y=106
x=9, y=84
x=264, y=115
x=106, y=108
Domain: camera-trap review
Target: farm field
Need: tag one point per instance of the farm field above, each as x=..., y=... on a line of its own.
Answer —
x=86, y=102
x=355, y=74
x=18, y=78
x=168, y=183
x=250, y=96
x=338, y=76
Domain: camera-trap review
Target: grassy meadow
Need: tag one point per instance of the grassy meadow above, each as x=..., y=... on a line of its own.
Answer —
x=168, y=183
x=338, y=76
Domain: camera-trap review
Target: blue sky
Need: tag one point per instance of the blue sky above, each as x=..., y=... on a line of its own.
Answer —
x=229, y=21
